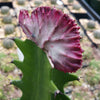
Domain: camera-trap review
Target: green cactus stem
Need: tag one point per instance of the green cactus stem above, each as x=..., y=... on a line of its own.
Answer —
x=36, y=78
x=39, y=81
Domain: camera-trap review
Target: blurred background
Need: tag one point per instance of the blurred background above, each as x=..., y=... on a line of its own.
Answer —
x=86, y=14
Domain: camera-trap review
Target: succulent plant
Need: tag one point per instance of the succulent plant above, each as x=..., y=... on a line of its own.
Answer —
x=76, y=6
x=4, y=9
x=8, y=43
x=38, y=2
x=70, y=1
x=53, y=1
x=9, y=29
x=96, y=34
x=58, y=36
x=21, y=2
x=91, y=24
x=7, y=19
x=52, y=36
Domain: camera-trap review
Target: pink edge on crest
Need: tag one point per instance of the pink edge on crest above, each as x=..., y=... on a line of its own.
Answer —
x=57, y=34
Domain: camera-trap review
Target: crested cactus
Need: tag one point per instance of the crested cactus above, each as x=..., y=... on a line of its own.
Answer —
x=7, y=19
x=76, y=6
x=4, y=9
x=91, y=24
x=96, y=34
x=9, y=29
x=8, y=43
x=53, y=40
x=21, y=2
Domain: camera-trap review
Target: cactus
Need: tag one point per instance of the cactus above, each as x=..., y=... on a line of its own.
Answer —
x=76, y=6
x=37, y=2
x=7, y=19
x=4, y=9
x=53, y=41
x=21, y=2
x=40, y=81
x=96, y=34
x=9, y=29
x=91, y=24
x=70, y=1
x=8, y=43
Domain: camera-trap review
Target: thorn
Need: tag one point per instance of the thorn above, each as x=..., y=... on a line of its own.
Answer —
x=55, y=94
x=12, y=61
x=10, y=83
x=78, y=79
x=20, y=75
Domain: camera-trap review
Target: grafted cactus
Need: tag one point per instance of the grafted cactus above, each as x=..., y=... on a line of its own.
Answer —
x=52, y=35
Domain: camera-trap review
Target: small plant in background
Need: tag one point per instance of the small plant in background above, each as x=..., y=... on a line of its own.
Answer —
x=96, y=34
x=9, y=29
x=82, y=35
x=4, y=59
x=53, y=2
x=87, y=53
x=4, y=9
x=91, y=24
x=38, y=2
x=7, y=19
x=70, y=1
x=95, y=64
x=52, y=35
x=2, y=94
x=76, y=6
x=21, y=2
x=60, y=8
x=92, y=76
x=8, y=43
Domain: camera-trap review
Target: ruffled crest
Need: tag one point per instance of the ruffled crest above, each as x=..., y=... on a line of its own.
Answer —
x=57, y=34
